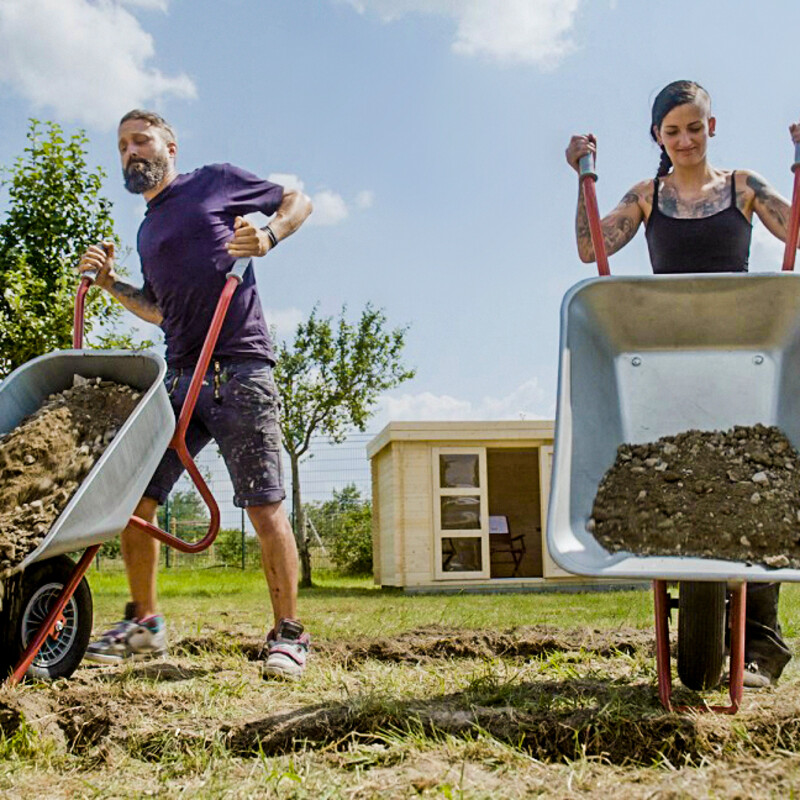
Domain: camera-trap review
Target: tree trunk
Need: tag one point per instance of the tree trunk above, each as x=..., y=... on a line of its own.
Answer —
x=299, y=516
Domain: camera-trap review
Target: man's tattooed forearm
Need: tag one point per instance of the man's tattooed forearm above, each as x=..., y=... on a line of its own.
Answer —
x=135, y=300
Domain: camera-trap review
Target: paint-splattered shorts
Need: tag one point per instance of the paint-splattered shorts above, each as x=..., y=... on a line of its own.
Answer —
x=238, y=408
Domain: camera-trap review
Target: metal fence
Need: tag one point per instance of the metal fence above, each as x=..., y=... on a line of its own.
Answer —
x=327, y=468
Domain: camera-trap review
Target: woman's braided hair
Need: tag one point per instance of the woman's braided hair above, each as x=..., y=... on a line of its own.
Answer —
x=677, y=93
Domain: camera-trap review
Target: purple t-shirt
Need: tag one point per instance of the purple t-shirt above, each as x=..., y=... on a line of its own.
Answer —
x=181, y=244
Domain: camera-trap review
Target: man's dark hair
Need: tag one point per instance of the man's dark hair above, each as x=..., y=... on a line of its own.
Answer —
x=156, y=120
x=677, y=93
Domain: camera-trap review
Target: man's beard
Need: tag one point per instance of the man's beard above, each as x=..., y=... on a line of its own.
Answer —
x=142, y=175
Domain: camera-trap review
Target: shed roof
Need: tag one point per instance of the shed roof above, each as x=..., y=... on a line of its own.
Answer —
x=474, y=430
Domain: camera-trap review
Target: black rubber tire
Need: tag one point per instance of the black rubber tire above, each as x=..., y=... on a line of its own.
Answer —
x=701, y=633
x=39, y=586
x=9, y=618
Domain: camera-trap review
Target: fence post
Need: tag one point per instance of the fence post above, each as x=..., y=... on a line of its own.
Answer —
x=244, y=552
x=167, y=527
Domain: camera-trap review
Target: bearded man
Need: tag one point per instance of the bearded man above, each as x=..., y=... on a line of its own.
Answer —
x=193, y=230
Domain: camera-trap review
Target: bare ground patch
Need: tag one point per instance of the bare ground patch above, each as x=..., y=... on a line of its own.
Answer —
x=424, y=645
x=536, y=710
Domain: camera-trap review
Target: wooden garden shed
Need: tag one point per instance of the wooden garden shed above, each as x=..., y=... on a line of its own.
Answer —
x=462, y=505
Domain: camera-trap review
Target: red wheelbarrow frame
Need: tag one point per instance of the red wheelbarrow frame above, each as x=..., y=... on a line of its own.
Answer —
x=178, y=442
x=662, y=600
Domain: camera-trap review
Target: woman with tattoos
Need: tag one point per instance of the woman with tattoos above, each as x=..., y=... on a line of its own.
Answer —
x=698, y=218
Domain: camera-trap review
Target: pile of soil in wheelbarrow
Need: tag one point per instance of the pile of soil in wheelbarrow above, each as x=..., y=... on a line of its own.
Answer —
x=47, y=456
x=732, y=495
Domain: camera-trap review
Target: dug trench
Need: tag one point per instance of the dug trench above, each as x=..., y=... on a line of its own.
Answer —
x=594, y=705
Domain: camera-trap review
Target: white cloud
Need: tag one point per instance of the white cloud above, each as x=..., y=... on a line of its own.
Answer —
x=85, y=61
x=365, y=199
x=156, y=5
x=527, y=401
x=506, y=31
x=330, y=208
x=289, y=182
x=284, y=321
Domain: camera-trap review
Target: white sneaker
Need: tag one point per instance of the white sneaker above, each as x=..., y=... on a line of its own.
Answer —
x=130, y=640
x=287, y=650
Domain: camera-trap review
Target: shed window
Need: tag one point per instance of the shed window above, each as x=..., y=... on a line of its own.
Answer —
x=462, y=554
x=459, y=471
x=461, y=513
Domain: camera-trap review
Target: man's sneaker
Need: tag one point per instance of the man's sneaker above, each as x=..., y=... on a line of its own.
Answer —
x=756, y=677
x=287, y=649
x=131, y=639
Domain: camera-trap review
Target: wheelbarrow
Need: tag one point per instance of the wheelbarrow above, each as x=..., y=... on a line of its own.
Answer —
x=46, y=611
x=652, y=356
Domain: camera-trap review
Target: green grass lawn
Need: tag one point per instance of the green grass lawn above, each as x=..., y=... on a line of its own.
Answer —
x=345, y=606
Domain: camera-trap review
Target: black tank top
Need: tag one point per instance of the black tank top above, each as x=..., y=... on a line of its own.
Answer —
x=717, y=243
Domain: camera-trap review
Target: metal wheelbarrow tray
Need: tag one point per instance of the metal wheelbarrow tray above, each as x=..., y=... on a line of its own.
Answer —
x=103, y=503
x=653, y=356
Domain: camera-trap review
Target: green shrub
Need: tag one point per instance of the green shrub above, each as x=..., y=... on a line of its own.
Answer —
x=344, y=525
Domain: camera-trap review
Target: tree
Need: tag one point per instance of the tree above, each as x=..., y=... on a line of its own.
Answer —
x=344, y=524
x=188, y=515
x=54, y=211
x=329, y=380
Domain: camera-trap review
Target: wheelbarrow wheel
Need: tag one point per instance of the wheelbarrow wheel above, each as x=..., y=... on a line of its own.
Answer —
x=60, y=655
x=701, y=633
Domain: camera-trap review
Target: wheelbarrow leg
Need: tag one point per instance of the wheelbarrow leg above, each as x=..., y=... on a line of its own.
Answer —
x=738, y=615
x=48, y=626
x=661, y=600
x=736, y=672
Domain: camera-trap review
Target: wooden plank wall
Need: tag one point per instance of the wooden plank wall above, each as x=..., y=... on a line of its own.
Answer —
x=417, y=513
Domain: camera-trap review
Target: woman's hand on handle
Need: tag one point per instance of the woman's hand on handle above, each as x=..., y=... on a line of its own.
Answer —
x=579, y=146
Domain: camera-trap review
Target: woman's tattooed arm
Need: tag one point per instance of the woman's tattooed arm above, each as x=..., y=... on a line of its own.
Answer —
x=772, y=209
x=619, y=227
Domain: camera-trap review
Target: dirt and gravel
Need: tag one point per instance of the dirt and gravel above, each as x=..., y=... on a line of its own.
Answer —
x=731, y=495
x=46, y=457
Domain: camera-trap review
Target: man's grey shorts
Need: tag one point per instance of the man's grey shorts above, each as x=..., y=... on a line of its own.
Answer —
x=238, y=408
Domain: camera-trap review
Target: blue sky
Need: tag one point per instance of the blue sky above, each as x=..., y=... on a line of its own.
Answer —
x=430, y=136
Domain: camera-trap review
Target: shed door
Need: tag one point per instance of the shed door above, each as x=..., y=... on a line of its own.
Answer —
x=460, y=513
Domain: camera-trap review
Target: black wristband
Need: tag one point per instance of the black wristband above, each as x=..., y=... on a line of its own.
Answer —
x=273, y=239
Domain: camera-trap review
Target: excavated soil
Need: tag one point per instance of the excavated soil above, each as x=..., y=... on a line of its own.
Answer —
x=426, y=645
x=731, y=495
x=45, y=458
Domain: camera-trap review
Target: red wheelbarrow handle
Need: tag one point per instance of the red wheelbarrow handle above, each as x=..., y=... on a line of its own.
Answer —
x=588, y=177
x=178, y=442
x=794, y=221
